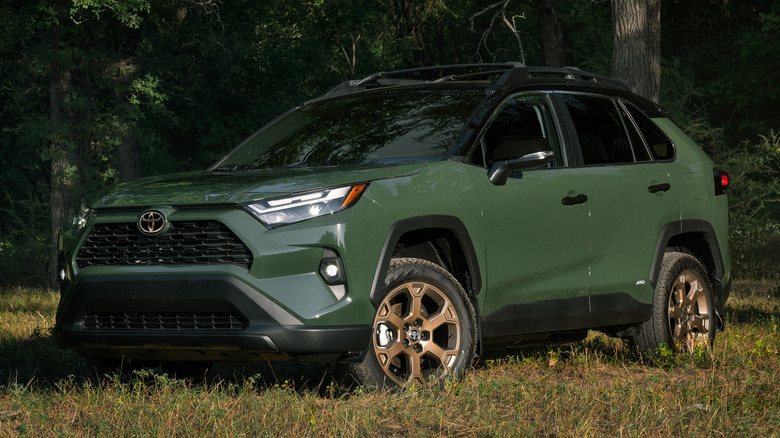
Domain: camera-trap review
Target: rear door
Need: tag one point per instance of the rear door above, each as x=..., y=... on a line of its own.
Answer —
x=631, y=198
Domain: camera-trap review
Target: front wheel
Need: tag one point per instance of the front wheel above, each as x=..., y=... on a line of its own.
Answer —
x=683, y=307
x=424, y=328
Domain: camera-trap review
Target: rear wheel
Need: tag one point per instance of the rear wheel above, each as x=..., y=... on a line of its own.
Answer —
x=683, y=307
x=424, y=328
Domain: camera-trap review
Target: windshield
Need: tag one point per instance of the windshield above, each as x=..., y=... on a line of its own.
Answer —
x=357, y=129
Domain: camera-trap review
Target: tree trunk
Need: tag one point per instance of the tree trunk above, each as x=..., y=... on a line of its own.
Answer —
x=61, y=172
x=128, y=161
x=636, y=55
x=67, y=149
x=553, y=46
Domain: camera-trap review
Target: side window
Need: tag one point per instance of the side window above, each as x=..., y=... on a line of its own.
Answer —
x=638, y=145
x=523, y=125
x=603, y=140
x=660, y=146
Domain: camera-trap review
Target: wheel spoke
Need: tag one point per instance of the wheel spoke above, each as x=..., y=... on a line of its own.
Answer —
x=699, y=323
x=695, y=290
x=443, y=356
x=415, y=303
x=678, y=294
x=446, y=315
x=387, y=314
x=415, y=368
x=386, y=355
x=675, y=311
x=680, y=330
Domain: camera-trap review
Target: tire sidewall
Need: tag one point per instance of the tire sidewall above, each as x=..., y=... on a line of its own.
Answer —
x=683, y=263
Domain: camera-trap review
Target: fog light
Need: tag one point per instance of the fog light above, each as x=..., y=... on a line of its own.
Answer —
x=332, y=270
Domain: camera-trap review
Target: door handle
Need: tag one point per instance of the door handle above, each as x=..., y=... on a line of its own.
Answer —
x=572, y=200
x=655, y=188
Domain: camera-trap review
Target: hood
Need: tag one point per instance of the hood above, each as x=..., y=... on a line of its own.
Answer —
x=236, y=187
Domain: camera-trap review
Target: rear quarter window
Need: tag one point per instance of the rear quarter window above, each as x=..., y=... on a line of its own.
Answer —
x=661, y=148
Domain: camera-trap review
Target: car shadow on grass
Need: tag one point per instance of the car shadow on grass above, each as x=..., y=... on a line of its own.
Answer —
x=37, y=362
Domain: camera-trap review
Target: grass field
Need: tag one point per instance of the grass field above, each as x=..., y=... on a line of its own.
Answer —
x=592, y=388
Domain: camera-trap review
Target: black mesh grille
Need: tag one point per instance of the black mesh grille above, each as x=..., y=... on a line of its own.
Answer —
x=182, y=321
x=185, y=243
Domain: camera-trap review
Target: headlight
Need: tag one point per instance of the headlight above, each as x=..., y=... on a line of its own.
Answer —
x=299, y=207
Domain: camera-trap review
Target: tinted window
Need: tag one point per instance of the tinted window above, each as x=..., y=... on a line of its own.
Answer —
x=637, y=143
x=356, y=129
x=522, y=126
x=660, y=146
x=599, y=130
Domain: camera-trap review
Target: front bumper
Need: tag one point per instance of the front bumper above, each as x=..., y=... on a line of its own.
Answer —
x=172, y=317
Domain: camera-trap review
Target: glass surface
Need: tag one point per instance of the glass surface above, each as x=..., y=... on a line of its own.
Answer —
x=660, y=146
x=599, y=130
x=522, y=126
x=357, y=129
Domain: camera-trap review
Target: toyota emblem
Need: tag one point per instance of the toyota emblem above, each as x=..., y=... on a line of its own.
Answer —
x=151, y=222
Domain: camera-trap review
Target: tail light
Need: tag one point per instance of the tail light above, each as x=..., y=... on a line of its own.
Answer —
x=721, y=181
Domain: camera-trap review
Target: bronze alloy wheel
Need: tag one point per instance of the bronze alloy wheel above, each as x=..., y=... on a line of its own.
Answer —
x=416, y=333
x=424, y=328
x=689, y=310
x=683, y=313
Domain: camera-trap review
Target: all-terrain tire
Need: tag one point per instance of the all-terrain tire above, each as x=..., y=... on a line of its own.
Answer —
x=683, y=307
x=424, y=328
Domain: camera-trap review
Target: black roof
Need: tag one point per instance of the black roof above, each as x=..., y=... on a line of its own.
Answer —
x=495, y=76
x=506, y=74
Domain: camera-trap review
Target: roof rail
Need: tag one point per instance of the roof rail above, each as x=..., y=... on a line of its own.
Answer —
x=524, y=75
x=385, y=78
x=510, y=73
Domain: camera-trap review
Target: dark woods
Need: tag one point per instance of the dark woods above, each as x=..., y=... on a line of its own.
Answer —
x=95, y=92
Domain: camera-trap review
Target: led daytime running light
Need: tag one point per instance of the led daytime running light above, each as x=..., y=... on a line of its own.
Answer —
x=296, y=208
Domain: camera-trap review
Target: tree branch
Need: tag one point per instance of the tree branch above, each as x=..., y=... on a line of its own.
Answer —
x=500, y=14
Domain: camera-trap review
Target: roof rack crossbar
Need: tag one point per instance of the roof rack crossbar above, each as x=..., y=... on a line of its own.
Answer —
x=370, y=79
x=525, y=74
x=468, y=75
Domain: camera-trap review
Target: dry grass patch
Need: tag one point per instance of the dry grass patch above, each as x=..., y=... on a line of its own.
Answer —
x=597, y=387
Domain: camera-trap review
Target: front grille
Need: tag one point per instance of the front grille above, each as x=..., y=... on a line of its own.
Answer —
x=185, y=243
x=182, y=321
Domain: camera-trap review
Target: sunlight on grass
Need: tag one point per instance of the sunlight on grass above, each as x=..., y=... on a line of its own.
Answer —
x=597, y=387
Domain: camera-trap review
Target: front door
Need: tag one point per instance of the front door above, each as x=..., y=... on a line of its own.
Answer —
x=536, y=226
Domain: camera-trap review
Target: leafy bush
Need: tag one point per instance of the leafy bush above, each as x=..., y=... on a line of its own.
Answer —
x=754, y=206
x=24, y=241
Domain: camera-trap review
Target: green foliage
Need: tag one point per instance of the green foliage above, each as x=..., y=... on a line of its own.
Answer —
x=128, y=12
x=754, y=206
x=728, y=50
x=182, y=82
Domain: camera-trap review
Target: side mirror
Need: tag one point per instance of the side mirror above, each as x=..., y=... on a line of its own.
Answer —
x=499, y=172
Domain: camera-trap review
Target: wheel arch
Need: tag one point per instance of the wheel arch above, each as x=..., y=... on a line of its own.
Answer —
x=698, y=238
x=443, y=240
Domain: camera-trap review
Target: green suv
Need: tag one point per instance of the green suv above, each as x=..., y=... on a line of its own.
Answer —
x=406, y=222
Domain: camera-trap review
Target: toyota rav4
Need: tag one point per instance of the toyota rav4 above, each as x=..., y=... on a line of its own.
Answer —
x=406, y=222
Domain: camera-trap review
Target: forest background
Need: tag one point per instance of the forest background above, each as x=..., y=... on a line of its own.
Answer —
x=95, y=92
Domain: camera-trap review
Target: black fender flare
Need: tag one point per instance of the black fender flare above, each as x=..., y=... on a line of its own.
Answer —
x=705, y=229
x=683, y=227
x=404, y=226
